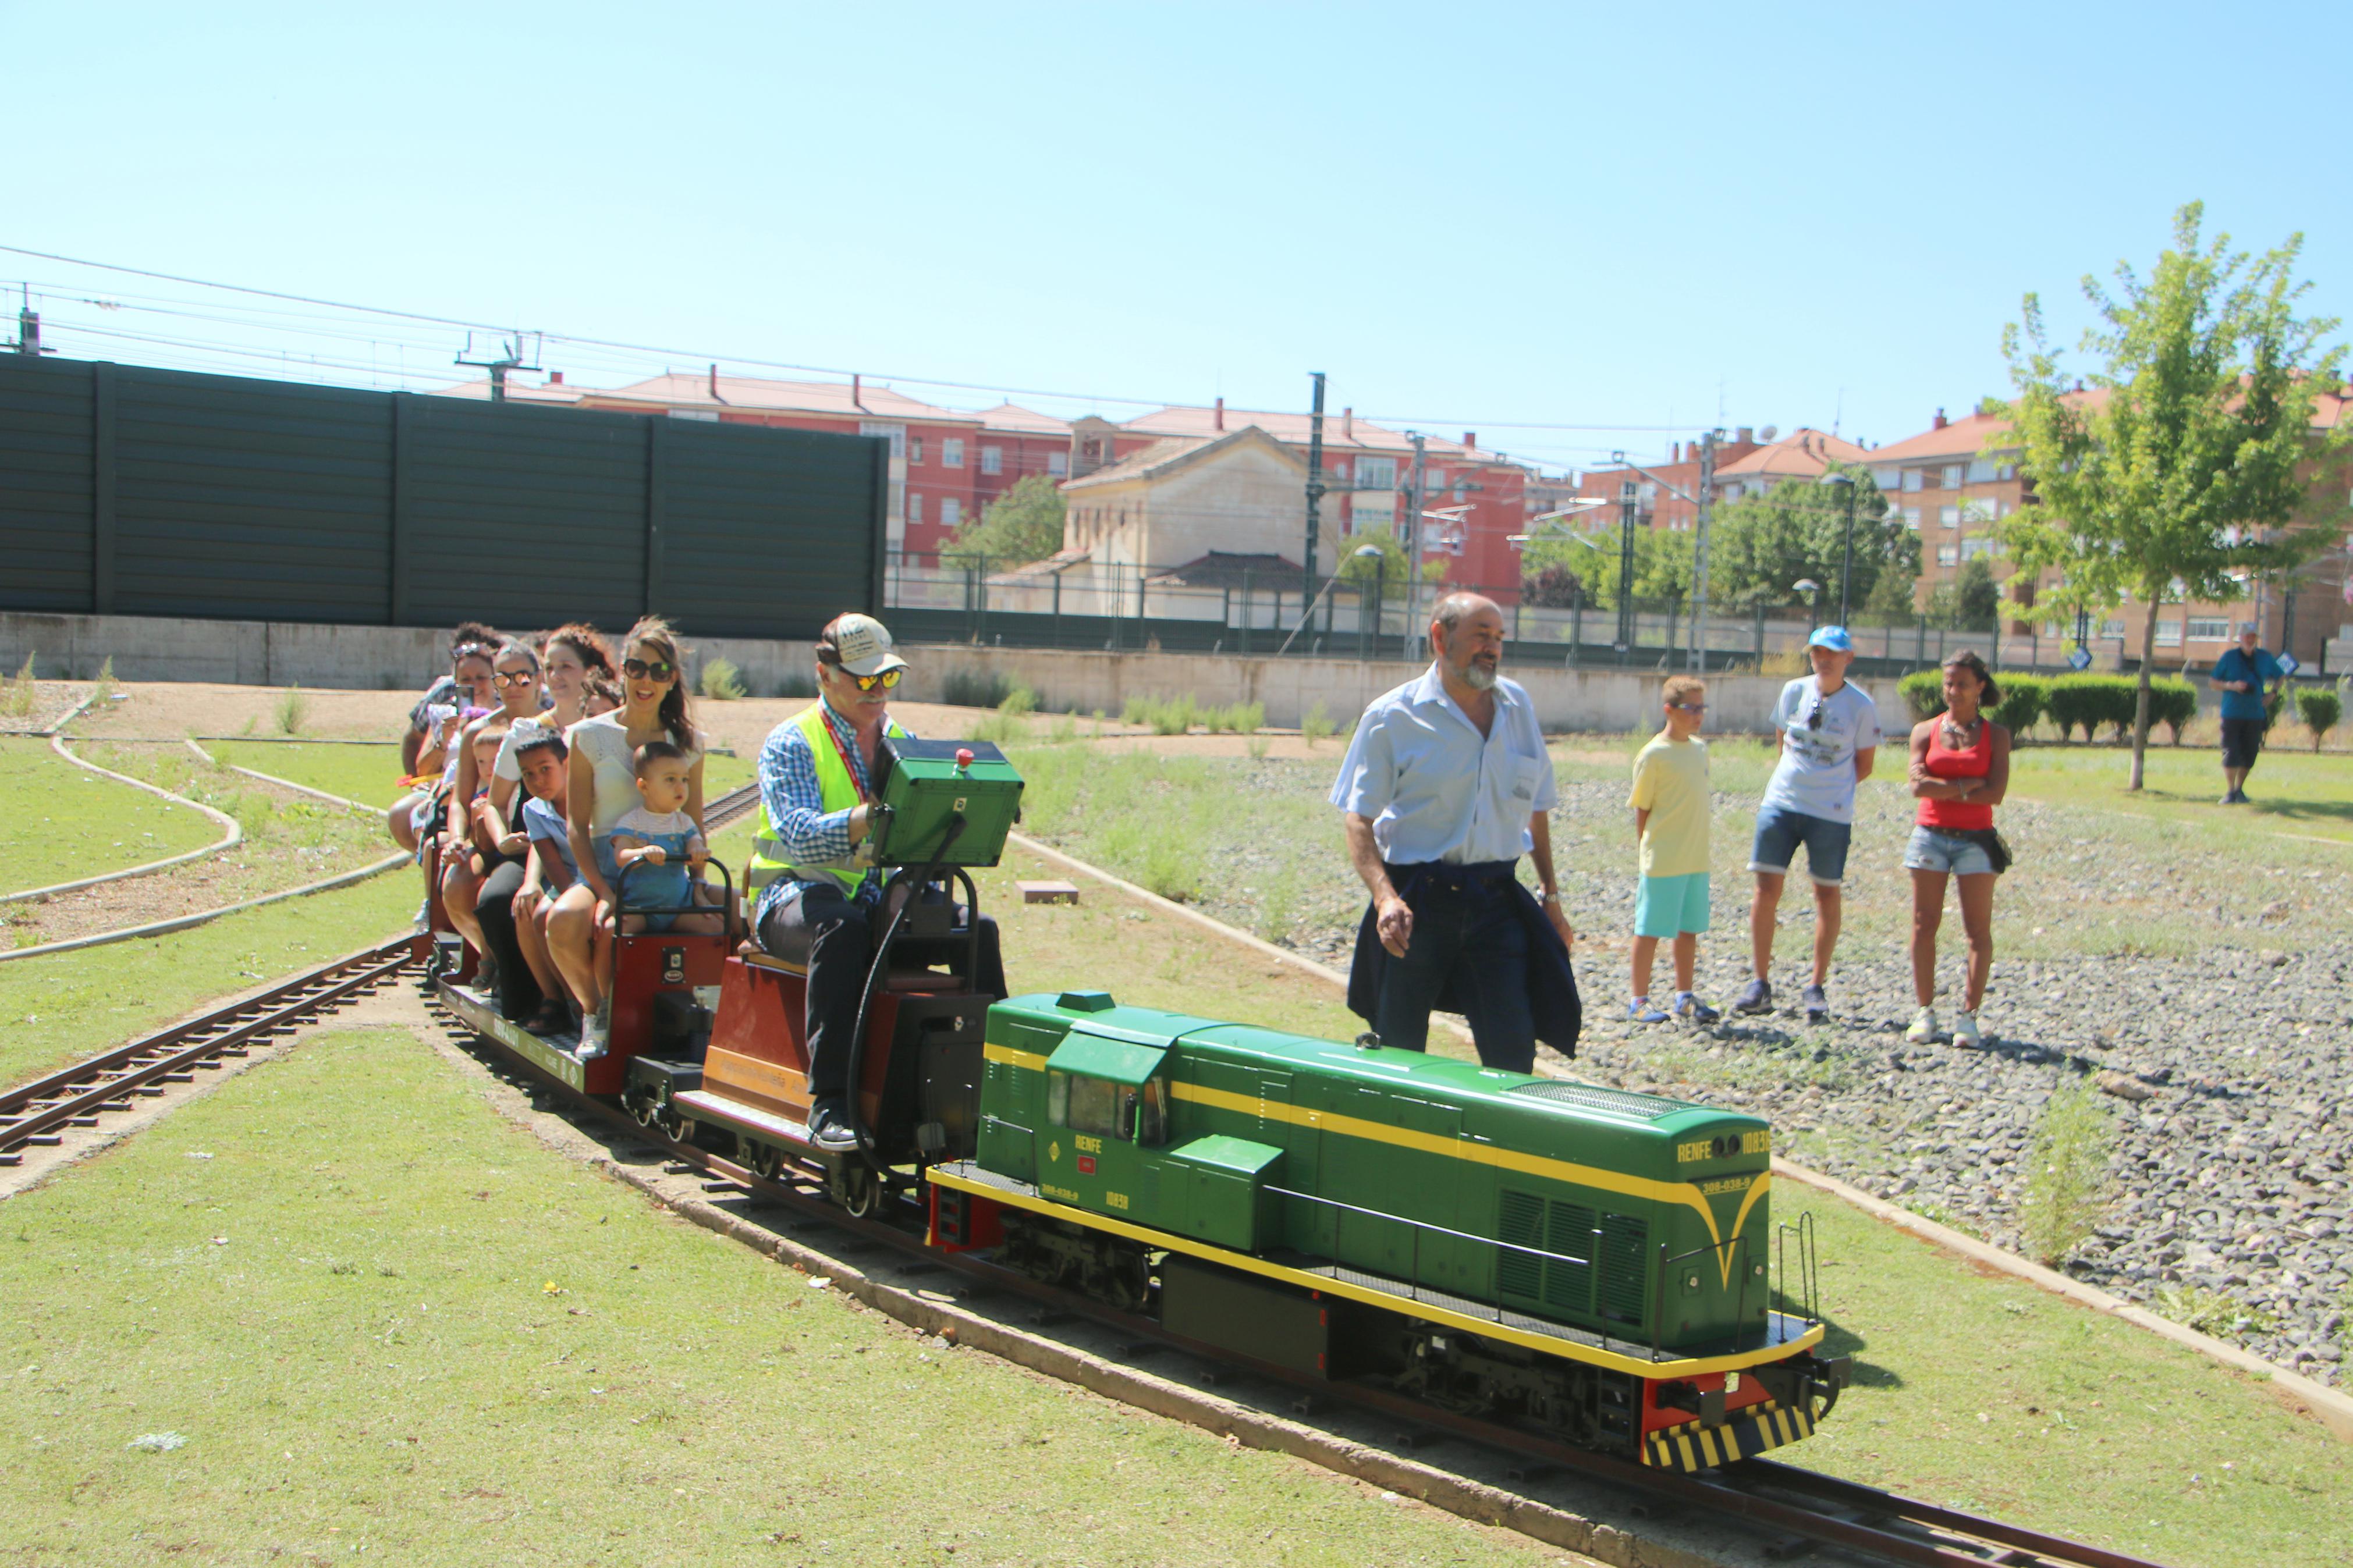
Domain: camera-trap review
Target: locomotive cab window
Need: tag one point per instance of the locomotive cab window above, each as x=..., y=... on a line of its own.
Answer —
x=1145, y=1108
x=1089, y=1105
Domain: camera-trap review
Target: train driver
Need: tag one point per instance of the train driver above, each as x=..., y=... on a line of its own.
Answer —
x=819, y=896
x=1445, y=786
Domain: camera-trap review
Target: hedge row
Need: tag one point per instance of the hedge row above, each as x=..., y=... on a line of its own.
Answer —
x=2070, y=702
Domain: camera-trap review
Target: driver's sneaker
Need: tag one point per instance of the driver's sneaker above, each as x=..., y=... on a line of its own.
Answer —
x=1817, y=1006
x=828, y=1129
x=1924, y=1026
x=1966, y=1034
x=1756, y=996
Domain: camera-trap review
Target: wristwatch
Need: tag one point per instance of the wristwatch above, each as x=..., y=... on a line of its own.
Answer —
x=1549, y=899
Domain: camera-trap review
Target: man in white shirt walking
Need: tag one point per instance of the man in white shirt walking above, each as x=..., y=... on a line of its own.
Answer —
x=1445, y=786
x=1830, y=737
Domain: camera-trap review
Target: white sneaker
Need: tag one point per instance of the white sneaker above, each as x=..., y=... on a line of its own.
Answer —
x=1965, y=1030
x=1924, y=1026
x=592, y=1030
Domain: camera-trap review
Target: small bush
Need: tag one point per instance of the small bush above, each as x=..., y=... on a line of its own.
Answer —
x=1790, y=660
x=1238, y=718
x=2071, y=703
x=1317, y=726
x=2067, y=1173
x=974, y=689
x=721, y=680
x=1065, y=730
x=2319, y=708
x=2023, y=700
x=2172, y=703
x=1923, y=691
x=1017, y=702
x=106, y=687
x=1169, y=715
x=292, y=709
x=21, y=696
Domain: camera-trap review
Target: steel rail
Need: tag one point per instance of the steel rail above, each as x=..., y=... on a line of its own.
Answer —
x=79, y=1095
x=1883, y=1526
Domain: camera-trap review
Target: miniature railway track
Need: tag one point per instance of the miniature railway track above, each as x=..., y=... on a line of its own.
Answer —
x=1803, y=1512
x=110, y=1083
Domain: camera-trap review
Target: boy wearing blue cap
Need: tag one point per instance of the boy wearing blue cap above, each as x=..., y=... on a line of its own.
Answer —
x=1830, y=737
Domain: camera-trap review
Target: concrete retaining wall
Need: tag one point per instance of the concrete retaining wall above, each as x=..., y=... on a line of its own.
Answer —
x=406, y=658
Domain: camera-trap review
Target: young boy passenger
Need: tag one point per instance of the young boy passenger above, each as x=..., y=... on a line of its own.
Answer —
x=1671, y=801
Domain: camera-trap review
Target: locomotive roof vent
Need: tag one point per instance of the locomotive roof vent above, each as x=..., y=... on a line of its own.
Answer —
x=1648, y=1107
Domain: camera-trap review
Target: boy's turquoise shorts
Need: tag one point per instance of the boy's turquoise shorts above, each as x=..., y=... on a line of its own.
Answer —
x=1669, y=906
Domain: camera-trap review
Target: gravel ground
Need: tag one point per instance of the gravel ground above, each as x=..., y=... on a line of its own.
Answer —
x=2199, y=981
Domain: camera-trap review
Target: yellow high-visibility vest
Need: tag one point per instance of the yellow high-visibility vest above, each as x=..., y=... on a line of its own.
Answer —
x=837, y=791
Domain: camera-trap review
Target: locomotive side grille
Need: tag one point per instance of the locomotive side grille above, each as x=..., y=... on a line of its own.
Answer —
x=1648, y=1107
x=1624, y=1242
x=1521, y=1224
x=1568, y=1273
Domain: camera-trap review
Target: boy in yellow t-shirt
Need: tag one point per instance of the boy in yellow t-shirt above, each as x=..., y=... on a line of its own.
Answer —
x=1670, y=804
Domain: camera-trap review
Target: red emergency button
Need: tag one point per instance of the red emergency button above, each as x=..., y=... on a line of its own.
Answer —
x=1086, y=1164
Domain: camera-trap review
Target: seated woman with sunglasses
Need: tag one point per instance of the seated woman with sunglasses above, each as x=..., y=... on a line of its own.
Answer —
x=603, y=789
x=818, y=900
x=473, y=859
x=424, y=744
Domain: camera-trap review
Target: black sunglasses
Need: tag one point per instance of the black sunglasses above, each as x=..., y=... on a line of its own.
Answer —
x=1688, y=706
x=648, y=670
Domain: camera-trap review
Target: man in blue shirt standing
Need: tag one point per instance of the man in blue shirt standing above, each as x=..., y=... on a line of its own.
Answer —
x=2242, y=675
x=1445, y=786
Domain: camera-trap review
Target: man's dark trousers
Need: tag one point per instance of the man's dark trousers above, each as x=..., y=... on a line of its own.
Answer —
x=834, y=936
x=1469, y=936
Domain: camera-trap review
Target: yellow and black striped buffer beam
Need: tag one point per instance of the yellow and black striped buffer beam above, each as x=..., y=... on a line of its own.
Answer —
x=1691, y=1446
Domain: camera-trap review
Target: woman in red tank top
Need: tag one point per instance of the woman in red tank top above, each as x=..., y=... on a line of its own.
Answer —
x=1961, y=769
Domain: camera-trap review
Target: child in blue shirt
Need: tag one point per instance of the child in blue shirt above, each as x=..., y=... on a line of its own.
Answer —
x=659, y=846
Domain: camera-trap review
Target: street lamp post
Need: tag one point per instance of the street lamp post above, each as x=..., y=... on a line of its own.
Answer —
x=1845, y=482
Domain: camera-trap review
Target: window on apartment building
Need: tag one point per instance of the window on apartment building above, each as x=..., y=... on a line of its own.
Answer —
x=897, y=433
x=915, y=507
x=1432, y=482
x=1376, y=473
x=2168, y=634
x=1948, y=555
x=1888, y=480
x=1979, y=508
x=1912, y=518
x=1985, y=471
x=914, y=448
x=2209, y=628
x=951, y=452
x=1057, y=464
x=1950, y=516
x=1978, y=544
x=1915, y=480
x=992, y=459
x=1953, y=476
x=2112, y=629
x=1736, y=489
x=951, y=513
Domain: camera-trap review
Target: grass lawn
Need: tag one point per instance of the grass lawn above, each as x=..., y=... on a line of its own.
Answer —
x=385, y=1320
x=59, y=822
x=371, y=774
x=2292, y=791
x=1984, y=1392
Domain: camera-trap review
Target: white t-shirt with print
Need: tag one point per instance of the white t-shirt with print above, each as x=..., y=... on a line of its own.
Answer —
x=1816, y=773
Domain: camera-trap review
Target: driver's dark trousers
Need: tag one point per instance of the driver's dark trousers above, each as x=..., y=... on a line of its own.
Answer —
x=834, y=937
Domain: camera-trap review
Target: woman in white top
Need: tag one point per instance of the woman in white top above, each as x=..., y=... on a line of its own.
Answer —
x=602, y=789
x=569, y=655
x=515, y=678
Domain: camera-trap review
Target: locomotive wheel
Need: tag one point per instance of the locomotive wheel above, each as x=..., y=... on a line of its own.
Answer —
x=678, y=1128
x=863, y=1192
x=644, y=1111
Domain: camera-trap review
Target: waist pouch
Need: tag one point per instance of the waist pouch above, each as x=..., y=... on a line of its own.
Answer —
x=1988, y=839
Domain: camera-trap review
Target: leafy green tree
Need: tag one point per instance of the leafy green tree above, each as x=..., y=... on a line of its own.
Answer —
x=1891, y=601
x=1552, y=587
x=1663, y=563
x=2176, y=477
x=1761, y=546
x=1970, y=601
x=1022, y=525
x=1388, y=569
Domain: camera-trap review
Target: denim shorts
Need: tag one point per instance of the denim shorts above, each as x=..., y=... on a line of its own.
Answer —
x=1669, y=906
x=1931, y=850
x=1779, y=833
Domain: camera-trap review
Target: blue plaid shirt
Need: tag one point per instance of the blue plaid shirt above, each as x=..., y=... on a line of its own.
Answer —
x=795, y=803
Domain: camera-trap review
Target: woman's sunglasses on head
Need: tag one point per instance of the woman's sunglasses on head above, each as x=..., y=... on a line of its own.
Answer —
x=648, y=670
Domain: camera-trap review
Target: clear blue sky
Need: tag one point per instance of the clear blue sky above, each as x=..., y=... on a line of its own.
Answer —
x=1465, y=214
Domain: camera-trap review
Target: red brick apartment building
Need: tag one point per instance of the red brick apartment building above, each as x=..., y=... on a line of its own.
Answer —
x=1959, y=476
x=1366, y=471
x=1665, y=494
